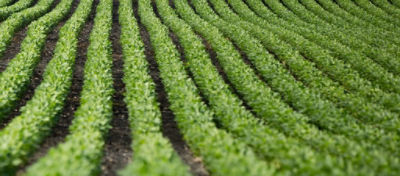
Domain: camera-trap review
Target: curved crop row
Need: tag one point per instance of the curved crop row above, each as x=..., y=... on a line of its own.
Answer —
x=289, y=5
x=296, y=8
x=340, y=57
x=19, y=20
x=367, y=68
x=81, y=152
x=352, y=8
x=355, y=106
x=24, y=133
x=315, y=7
x=296, y=126
x=344, y=46
x=286, y=153
x=19, y=5
x=153, y=154
x=396, y=3
x=374, y=34
x=370, y=8
x=336, y=10
x=384, y=54
x=351, y=81
x=6, y=3
x=330, y=120
x=217, y=148
x=12, y=84
x=388, y=7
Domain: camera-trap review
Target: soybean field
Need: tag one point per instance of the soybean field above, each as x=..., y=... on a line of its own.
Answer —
x=199, y=87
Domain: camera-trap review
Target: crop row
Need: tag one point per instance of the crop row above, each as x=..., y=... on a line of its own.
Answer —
x=228, y=109
x=376, y=12
x=334, y=15
x=358, y=61
x=269, y=87
x=381, y=51
x=217, y=148
x=338, y=11
x=347, y=44
x=274, y=112
x=363, y=110
x=386, y=6
x=82, y=150
x=395, y=3
x=154, y=154
x=6, y=3
x=375, y=35
x=25, y=132
x=357, y=11
x=12, y=84
x=222, y=103
x=355, y=105
x=19, y=20
x=369, y=110
x=296, y=7
x=19, y=5
x=305, y=102
x=347, y=68
x=367, y=90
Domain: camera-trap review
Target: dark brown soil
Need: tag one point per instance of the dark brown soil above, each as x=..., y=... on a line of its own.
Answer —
x=117, y=150
x=217, y=65
x=13, y=49
x=10, y=53
x=15, y=44
x=47, y=54
x=60, y=129
x=248, y=62
x=180, y=49
x=169, y=125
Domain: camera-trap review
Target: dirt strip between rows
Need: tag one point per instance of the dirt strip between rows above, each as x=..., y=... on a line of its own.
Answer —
x=60, y=130
x=117, y=150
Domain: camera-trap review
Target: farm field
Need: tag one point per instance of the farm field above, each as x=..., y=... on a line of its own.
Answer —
x=199, y=87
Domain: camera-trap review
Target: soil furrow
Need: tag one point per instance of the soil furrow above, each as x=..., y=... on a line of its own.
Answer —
x=217, y=65
x=248, y=62
x=46, y=55
x=117, y=150
x=15, y=44
x=60, y=130
x=13, y=49
x=180, y=49
x=251, y=64
x=169, y=126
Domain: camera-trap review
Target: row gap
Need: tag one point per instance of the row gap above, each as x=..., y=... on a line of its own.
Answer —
x=247, y=61
x=47, y=53
x=60, y=129
x=276, y=57
x=217, y=65
x=169, y=126
x=117, y=149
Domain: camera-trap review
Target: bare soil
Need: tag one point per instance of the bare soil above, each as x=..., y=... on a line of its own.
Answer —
x=117, y=150
x=46, y=55
x=13, y=48
x=169, y=126
x=60, y=129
